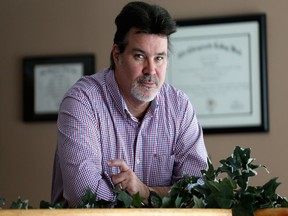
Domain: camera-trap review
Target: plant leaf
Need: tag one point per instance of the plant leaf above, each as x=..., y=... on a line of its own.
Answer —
x=124, y=199
x=20, y=204
x=198, y=202
x=156, y=200
x=137, y=200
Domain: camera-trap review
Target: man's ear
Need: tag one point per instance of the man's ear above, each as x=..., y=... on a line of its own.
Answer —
x=115, y=53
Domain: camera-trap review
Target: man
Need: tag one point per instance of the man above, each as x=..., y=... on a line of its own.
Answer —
x=124, y=127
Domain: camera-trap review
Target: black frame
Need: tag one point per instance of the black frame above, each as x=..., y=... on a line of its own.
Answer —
x=87, y=62
x=260, y=18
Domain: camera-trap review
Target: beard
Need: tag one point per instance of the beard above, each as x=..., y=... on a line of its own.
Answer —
x=143, y=93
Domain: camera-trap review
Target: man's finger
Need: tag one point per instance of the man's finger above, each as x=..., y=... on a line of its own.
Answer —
x=118, y=163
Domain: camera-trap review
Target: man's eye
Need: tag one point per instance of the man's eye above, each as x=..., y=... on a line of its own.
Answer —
x=159, y=58
x=139, y=56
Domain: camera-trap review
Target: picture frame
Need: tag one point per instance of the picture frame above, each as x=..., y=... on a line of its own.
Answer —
x=47, y=78
x=221, y=64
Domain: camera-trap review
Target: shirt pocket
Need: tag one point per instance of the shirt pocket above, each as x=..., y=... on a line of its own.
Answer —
x=161, y=170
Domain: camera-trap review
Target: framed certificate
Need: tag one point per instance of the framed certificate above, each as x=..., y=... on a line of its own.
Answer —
x=46, y=80
x=220, y=63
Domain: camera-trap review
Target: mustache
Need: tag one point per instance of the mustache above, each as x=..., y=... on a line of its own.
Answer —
x=148, y=78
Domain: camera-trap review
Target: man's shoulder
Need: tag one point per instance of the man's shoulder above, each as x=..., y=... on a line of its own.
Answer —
x=89, y=84
x=170, y=92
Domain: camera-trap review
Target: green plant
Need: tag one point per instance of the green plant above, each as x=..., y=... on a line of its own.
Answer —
x=211, y=191
x=20, y=204
x=123, y=200
x=2, y=202
x=89, y=200
x=232, y=191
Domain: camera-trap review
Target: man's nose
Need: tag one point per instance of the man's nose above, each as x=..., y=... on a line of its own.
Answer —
x=149, y=67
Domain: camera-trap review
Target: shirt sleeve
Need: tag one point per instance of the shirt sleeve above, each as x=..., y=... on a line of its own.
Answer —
x=78, y=149
x=190, y=151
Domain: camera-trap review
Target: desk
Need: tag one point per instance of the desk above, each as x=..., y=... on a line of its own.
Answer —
x=117, y=212
x=137, y=212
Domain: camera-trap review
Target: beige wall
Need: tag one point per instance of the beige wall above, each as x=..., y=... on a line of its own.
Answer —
x=38, y=27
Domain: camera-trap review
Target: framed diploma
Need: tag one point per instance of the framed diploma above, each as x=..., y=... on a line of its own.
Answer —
x=220, y=63
x=45, y=81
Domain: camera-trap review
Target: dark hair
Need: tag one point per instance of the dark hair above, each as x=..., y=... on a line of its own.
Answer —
x=150, y=19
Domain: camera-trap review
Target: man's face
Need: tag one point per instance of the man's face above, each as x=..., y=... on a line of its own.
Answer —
x=140, y=70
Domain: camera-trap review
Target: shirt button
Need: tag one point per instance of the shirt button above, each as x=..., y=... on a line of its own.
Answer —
x=138, y=161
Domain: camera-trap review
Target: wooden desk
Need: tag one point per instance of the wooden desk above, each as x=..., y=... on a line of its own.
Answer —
x=117, y=212
x=137, y=212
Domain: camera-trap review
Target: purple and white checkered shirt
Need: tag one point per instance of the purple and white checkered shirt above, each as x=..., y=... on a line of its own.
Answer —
x=94, y=126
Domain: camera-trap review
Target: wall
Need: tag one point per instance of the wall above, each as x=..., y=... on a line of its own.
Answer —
x=38, y=27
